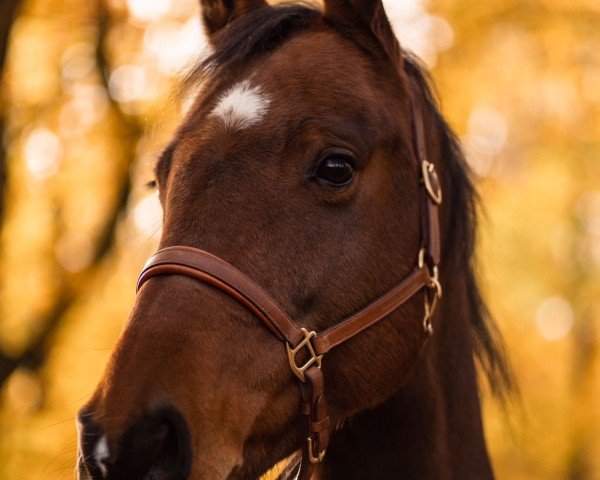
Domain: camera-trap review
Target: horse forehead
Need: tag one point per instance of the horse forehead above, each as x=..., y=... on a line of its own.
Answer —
x=317, y=59
x=318, y=75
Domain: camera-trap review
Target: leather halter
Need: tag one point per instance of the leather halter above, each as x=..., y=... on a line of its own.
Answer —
x=208, y=268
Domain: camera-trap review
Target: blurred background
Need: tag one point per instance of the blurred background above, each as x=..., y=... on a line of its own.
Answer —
x=87, y=103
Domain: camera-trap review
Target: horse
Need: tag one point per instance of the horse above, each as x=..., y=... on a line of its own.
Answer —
x=313, y=186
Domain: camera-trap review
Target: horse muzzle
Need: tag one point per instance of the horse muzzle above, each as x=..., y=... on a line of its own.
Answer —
x=156, y=446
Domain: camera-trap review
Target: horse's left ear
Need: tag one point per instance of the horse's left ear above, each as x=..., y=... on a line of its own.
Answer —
x=368, y=24
x=218, y=13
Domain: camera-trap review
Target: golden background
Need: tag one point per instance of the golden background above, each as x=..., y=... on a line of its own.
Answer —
x=86, y=105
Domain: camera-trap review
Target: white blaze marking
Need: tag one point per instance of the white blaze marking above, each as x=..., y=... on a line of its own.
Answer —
x=242, y=105
x=101, y=455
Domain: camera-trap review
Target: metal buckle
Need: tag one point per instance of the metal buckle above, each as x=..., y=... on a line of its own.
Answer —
x=431, y=181
x=314, y=358
x=311, y=456
x=435, y=286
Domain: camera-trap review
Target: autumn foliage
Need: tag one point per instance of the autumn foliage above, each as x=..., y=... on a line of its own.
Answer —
x=89, y=98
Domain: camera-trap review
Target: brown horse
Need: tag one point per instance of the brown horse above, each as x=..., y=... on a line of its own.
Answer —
x=297, y=165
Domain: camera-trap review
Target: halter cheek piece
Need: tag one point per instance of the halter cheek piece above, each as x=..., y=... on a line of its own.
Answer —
x=207, y=268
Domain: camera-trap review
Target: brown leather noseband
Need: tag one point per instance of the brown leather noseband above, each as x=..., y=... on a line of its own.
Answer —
x=207, y=268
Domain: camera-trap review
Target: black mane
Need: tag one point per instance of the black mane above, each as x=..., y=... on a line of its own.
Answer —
x=257, y=32
x=265, y=29
x=489, y=349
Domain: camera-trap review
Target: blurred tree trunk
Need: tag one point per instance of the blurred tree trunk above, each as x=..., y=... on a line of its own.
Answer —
x=34, y=356
x=8, y=13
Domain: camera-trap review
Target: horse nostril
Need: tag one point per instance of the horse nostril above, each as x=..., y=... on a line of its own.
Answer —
x=156, y=446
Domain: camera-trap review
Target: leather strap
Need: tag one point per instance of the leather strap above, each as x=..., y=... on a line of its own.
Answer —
x=372, y=313
x=314, y=410
x=429, y=216
x=208, y=268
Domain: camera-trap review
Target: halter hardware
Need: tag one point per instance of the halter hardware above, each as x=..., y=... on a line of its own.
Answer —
x=314, y=358
x=207, y=268
x=431, y=304
x=318, y=458
x=431, y=181
x=433, y=293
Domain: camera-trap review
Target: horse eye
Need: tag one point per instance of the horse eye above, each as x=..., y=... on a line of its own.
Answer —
x=335, y=170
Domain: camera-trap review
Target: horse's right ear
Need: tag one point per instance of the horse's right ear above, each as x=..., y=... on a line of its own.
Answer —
x=218, y=13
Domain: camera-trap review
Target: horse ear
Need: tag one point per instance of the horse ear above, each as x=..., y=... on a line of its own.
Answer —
x=218, y=13
x=368, y=24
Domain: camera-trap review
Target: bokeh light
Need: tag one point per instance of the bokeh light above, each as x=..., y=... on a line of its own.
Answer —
x=423, y=33
x=148, y=11
x=42, y=151
x=554, y=318
x=147, y=215
x=186, y=40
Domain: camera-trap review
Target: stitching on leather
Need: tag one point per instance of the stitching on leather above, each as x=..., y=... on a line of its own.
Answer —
x=244, y=292
x=377, y=302
x=272, y=306
x=349, y=319
x=238, y=272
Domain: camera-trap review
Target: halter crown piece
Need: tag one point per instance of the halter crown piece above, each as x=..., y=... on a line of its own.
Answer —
x=207, y=268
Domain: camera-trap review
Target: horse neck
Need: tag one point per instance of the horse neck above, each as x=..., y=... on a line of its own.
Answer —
x=431, y=428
